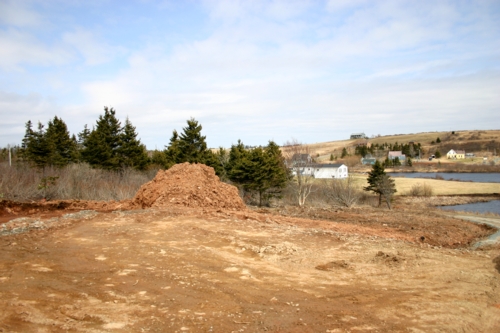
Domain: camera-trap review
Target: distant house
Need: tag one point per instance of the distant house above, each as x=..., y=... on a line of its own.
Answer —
x=368, y=160
x=456, y=154
x=358, y=136
x=399, y=154
x=469, y=154
x=326, y=171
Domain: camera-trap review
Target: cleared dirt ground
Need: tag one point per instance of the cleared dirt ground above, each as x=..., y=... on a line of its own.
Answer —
x=209, y=269
x=185, y=270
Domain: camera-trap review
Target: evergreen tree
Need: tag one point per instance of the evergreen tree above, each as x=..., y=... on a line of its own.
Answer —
x=159, y=159
x=132, y=152
x=192, y=145
x=28, y=137
x=409, y=162
x=236, y=156
x=261, y=170
x=102, y=145
x=172, y=152
x=36, y=148
x=396, y=161
x=374, y=178
x=63, y=147
x=438, y=140
x=83, y=136
x=437, y=154
x=387, y=163
x=344, y=153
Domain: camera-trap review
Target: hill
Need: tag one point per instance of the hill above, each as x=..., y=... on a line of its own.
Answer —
x=483, y=143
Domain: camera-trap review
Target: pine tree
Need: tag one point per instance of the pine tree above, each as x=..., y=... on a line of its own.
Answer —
x=36, y=148
x=172, y=151
x=261, y=170
x=64, y=149
x=344, y=153
x=102, y=144
x=159, y=159
x=131, y=152
x=374, y=178
x=236, y=155
x=192, y=145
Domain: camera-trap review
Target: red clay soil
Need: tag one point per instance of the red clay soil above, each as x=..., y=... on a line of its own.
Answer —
x=197, y=260
x=188, y=185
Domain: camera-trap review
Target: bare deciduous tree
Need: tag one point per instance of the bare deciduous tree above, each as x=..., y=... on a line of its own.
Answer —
x=299, y=160
x=342, y=191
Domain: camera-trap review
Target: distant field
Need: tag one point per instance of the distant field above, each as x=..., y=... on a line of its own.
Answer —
x=440, y=187
x=322, y=150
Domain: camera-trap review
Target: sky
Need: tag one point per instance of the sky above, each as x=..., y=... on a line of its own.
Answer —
x=310, y=71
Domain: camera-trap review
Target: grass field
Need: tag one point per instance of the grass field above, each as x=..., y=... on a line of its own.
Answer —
x=440, y=187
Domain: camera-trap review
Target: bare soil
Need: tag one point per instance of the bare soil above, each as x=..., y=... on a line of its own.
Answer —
x=201, y=267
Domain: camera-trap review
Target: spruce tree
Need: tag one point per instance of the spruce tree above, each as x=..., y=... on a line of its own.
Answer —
x=102, y=144
x=64, y=149
x=236, y=155
x=36, y=148
x=374, y=178
x=159, y=159
x=192, y=145
x=131, y=152
x=260, y=170
x=172, y=152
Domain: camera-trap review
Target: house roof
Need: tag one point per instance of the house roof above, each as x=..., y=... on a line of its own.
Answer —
x=396, y=153
x=460, y=151
x=330, y=165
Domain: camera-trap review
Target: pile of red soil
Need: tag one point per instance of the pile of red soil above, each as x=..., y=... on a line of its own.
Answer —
x=188, y=185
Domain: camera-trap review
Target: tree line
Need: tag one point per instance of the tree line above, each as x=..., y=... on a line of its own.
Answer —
x=257, y=171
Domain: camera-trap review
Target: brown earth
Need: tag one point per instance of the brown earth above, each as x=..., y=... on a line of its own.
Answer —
x=210, y=267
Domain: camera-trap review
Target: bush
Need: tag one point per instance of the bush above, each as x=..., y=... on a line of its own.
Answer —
x=419, y=190
x=342, y=191
x=75, y=181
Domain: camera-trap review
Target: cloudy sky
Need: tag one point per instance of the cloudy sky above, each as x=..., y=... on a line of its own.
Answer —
x=251, y=70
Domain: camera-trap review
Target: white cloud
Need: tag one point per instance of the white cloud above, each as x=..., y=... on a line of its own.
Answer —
x=20, y=48
x=16, y=13
x=94, y=51
x=275, y=69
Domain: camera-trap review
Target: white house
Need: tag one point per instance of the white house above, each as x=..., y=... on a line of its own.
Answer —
x=326, y=171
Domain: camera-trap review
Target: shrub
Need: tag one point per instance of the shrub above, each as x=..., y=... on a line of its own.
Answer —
x=75, y=181
x=342, y=191
x=421, y=190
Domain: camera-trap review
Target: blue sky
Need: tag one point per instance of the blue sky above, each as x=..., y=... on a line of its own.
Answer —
x=252, y=70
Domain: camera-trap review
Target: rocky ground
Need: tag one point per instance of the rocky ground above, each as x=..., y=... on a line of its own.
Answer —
x=215, y=266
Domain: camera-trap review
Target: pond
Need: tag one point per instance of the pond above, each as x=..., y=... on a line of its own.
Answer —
x=467, y=177
x=479, y=207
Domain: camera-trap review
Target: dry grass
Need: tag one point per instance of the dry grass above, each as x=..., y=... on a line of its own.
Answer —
x=76, y=181
x=322, y=150
x=446, y=187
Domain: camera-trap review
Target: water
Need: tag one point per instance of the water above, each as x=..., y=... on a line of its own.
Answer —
x=474, y=177
x=479, y=207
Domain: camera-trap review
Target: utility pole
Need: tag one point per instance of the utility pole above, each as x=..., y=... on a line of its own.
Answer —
x=10, y=156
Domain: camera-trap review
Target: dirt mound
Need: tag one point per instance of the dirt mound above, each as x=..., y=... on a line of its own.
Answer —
x=188, y=185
